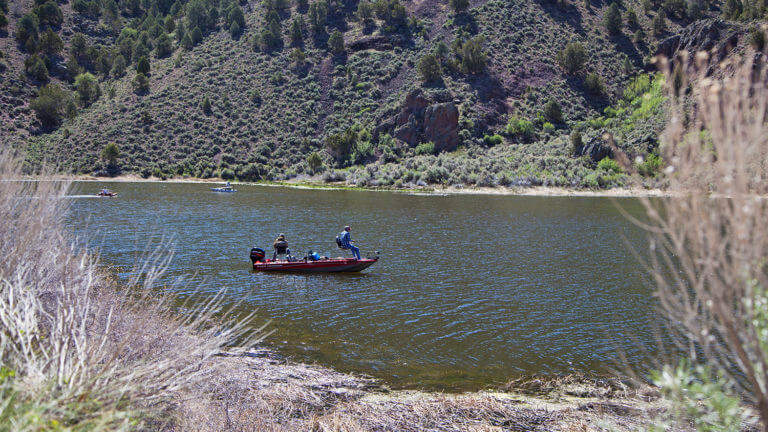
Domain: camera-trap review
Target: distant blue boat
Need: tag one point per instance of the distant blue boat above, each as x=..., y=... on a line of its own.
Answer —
x=226, y=188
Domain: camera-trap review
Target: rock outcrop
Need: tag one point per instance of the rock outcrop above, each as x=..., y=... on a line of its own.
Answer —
x=423, y=119
x=597, y=149
x=713, y=35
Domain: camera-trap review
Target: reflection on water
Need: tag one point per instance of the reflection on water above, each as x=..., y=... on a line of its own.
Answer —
x=470, y=290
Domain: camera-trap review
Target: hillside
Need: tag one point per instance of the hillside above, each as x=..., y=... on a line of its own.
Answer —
x=499, y=109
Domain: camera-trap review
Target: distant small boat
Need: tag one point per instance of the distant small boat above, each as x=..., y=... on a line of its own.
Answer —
x=224, y=189
x=107, y=193
x=328, y=265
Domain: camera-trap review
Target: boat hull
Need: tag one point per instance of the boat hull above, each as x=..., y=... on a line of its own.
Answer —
x=223, y=190
x=333, y=265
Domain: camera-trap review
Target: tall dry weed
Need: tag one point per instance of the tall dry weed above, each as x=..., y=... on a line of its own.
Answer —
x=711, y=237
x=75, y=349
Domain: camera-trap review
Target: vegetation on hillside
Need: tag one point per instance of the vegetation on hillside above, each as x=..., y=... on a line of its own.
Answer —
x=252, y=90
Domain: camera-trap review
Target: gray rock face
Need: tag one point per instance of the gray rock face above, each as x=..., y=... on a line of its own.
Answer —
x=713, y=35
x=596, y=148
x=421, y=119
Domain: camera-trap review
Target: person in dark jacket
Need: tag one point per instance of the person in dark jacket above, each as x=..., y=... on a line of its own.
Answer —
x=281, y=247
x=346, y=242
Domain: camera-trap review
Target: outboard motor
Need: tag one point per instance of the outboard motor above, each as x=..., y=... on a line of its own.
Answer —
x=257, y=255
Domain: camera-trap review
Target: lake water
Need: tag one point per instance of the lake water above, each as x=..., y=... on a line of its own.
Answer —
x=471, y=290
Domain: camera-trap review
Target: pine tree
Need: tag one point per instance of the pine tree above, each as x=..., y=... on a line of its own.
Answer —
x=659, y=24
x=296, y=34
x=336, y=42
x=142, y=66
x=163, y=45
x=207, y=106
x=612, y=19
x=50, y=43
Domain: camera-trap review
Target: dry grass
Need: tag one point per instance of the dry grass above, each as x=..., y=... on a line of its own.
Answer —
x=75, y=350
x=711, y=240
x=261, y=391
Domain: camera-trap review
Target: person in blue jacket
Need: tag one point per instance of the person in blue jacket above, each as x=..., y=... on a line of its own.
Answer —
x=346, y=242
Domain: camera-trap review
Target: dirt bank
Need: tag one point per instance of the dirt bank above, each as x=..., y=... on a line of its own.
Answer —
x=259, y=390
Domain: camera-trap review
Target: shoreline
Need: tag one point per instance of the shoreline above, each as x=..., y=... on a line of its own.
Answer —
x=250, y=384
x=535, y=191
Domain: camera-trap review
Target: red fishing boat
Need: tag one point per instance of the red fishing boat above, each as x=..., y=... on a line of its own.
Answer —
x=106, y=193
x=308, y=265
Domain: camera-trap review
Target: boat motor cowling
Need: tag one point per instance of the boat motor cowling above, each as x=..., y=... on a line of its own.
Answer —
x=257, y=255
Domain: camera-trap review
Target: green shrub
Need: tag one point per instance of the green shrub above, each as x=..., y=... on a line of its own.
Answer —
x=572, y=58
x=118, y=66
x=577, y=142
x=364, y=11
x=3, y=21
x=235, y=30
x=186, y=42
x=298, y=57
x=318, y=12
x=472, y=56
x=26, y=28
x=297, y=35
x=732, y=9
x=425, y=148
x=78, y=47
x=594, y=84
x=340, y=145
x=519, y=128
x=493, y=140
x=196, y=36
x=51, y=104
x=50, y=43
x=651, y=166
x=35, y=67
x=609, y=165
x=268, y=40
x=236, y=16
x=553, y=112
x=705, y=400
x=169, y=24
x=429, y=68
x=363, y=152
x=140, y=83
x=49, y=14
x=227, y=174
x=163, y=45
x=110, y=153
x=142, y=66
x=87, y=87
x=314, y=162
